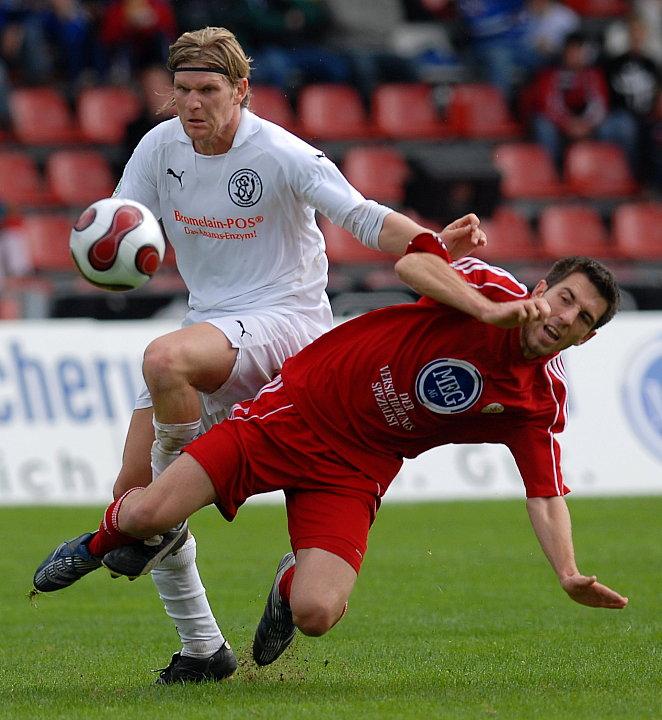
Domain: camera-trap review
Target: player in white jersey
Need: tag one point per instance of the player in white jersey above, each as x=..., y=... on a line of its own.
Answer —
x=237, y=197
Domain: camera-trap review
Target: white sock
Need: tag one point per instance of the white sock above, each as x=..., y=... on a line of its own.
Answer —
x=170, y=439
x=176, y=577
x=180, y=587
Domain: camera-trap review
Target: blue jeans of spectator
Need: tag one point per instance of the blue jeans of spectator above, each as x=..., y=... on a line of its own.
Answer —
x=619, y=127
x=504, y=62
x=290, y=67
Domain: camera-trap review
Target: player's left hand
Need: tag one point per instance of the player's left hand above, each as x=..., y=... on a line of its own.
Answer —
x=588, y=591
x=463, y=236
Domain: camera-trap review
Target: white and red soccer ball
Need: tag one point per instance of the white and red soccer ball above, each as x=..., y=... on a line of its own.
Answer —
x=117, y=244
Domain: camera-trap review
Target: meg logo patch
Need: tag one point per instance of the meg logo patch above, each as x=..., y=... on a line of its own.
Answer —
x=447, y=386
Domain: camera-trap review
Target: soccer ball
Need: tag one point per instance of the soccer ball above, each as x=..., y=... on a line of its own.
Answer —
x=117, y=244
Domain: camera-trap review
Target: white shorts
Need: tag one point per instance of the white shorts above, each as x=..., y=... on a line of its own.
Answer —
x=264, y=341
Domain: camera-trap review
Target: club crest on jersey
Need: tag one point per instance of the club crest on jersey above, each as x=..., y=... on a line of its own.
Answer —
x=447, y=386
x=245, y=187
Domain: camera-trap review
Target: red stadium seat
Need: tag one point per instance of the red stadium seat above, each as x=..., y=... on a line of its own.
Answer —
x=599, y=8
x=104, y=112
x=10, y=308
x=41, y=116
x=573, y=230
x=332, y=112
x=479, y=110
x=271, y=103
x=637, y=230
x=596, y=169
x=379, y=173
x=509, y=238
x=407, y=110
x=527, y=171
x=342, y=248
x=48, y=241
x=79, y=178
x=22, y=182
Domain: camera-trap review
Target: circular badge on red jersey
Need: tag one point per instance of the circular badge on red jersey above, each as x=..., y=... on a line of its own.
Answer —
x=448, y=385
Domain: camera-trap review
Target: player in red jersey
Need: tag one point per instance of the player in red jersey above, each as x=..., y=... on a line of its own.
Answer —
x=475, y=360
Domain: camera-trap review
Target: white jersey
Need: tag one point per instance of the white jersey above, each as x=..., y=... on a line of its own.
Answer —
x=243, y=224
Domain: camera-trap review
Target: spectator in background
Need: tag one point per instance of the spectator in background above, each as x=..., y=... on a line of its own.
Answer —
x=194, y=14
x=634, y=86
x=548, y=23
x=495, y=32
x=136, y=34
x=23, y=47
x=573, y=104
x=14, y=256
x=285, y=38
x=68, y=30
x=367, y=33
x=287, y=41
x=616, y=39
x=426, y=39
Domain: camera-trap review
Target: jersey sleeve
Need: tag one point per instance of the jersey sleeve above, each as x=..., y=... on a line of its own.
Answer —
x=138, y=181
x=429, y=243
x=493, y=282
x=533, y=442
x=321, y=185
x=538, y=456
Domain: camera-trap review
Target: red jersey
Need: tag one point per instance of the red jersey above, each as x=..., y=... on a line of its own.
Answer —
x=398, y=381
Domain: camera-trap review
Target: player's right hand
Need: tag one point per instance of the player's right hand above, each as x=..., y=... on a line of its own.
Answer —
x=518, y=312
x=586, y=590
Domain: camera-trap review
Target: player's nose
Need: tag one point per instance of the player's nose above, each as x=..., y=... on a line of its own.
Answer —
x=193, y=101
x=568, y=315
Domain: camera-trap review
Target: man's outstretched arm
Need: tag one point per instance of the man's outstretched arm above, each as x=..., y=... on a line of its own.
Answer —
x=429, y=274
x=551, y=522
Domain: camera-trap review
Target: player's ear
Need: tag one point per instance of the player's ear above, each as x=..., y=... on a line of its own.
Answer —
x=240, y=90
x=586, y=337
x=539, y=289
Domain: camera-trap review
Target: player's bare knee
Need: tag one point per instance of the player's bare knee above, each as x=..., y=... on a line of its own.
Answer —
x=314, y=618
x=138, y=518
x=161, y=365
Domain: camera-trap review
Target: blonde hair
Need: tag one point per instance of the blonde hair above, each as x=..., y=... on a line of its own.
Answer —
x=213, y=47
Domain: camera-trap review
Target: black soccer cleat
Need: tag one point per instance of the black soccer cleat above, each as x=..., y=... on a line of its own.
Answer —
x=69, y=562
x=275, y=630
x=184, y=669
x=141, y=557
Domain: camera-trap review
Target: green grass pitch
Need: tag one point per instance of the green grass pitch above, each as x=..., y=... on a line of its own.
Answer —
x=456, y=614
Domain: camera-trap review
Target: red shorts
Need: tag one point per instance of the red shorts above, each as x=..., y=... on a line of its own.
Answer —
x=266, y=445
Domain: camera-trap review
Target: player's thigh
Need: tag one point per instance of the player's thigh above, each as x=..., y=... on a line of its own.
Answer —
x=323, y=582
x=136, y=470
x=264, y=341
x=200, y=353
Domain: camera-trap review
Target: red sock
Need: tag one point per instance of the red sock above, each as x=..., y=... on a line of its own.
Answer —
x=285, y=584
x=109, y=536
